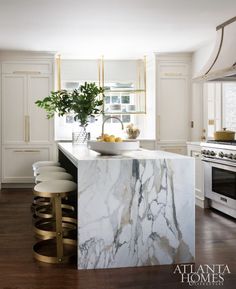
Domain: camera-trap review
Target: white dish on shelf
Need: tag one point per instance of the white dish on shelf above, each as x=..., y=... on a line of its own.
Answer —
x=113, y=148
x=115, y=107
x=131, y=108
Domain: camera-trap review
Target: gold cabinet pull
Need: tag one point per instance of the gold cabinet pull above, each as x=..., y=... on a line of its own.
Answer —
x=27, y=128
x=158, y=127
x=26, y=151
x=27, y=72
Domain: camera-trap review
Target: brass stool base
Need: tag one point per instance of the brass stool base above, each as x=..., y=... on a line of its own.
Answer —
x=45, y=212
x=47, y=228
x=40, y=251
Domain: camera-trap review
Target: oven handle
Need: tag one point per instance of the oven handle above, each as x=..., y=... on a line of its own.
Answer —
x=221, y=163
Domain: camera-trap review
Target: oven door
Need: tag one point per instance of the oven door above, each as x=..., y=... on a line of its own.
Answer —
x=220, y=182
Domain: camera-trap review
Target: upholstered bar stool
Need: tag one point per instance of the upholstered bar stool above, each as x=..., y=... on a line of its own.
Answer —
x=56, y=248
x=47, y=169
x=43, y=209
x=39, y=170
x=39, y=164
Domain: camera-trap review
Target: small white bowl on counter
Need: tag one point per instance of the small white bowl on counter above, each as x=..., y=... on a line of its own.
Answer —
x=113, y=148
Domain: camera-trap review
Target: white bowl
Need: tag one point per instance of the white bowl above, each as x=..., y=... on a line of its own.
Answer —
x=113, y=148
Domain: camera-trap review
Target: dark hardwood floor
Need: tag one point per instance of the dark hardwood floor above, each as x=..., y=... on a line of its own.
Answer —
x=215, y=244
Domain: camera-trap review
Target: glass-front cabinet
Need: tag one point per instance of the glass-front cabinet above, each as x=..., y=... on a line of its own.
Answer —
x=124, y=82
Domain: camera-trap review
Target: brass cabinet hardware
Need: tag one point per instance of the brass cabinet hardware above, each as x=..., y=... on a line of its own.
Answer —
x=58, y=62
x=173, y=74
x=26, y=151
x=158, y=127
x=196, y=154
x=27, y=128
x=27, y=72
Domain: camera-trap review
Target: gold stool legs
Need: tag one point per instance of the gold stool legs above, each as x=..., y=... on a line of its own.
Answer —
x=59, y=235
x=61, y=256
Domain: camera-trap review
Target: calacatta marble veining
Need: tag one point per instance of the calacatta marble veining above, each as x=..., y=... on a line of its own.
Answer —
x=135, y=211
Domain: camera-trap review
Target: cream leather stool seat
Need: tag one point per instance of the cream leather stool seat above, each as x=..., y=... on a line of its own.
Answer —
x=50, y=176
x=44, y=163
x=48, y=169
x=42, y=206
x=62, y=248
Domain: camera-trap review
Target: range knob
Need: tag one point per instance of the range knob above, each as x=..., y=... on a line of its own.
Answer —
x=213, y=153
x=221, y=154
x=203, y=152
x=234, y=157
x=208, y=152
x=230, y=156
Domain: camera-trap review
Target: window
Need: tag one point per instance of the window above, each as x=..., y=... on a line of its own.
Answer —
x=221, y=107
x=229, y=105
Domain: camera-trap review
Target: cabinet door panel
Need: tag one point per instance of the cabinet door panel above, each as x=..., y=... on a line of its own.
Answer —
x=173, y=109
x=17, y=163
x=13, y=108
x=40, y=127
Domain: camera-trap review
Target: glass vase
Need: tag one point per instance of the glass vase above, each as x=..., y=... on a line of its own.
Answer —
x=80, y=136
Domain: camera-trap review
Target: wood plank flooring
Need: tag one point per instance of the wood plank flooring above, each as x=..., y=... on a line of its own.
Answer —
x=215, y=244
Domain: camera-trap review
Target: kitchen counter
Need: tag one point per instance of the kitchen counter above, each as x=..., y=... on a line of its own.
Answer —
x=136, y=209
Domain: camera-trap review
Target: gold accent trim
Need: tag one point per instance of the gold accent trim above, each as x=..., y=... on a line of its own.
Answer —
x=27, y=72
x=124, y=113
x=102, y=61
x=145, y=84
x=58, y=62
x=158, y=127
x=26, y=151
x=99, y=72
x=27, y=128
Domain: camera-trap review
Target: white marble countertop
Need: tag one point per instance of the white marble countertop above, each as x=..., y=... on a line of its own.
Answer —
x=81, y=153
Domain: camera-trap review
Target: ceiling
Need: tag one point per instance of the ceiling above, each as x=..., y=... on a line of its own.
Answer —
x=115, y=28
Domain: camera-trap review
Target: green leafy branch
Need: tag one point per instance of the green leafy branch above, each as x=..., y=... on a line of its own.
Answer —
x=83, y=102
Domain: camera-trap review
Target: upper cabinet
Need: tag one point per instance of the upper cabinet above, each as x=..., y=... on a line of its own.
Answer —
x=27, y=134
x=173, y=98
x=23, y=122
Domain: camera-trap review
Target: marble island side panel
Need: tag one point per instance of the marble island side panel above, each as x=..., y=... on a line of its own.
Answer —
x=135, y=212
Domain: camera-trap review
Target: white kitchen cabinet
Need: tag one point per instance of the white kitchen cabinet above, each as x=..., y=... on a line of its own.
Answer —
x=194, y=150
x=173, y=101
x=27, y=135
x=17, y=162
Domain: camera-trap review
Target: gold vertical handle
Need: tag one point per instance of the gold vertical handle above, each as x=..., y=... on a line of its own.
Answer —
x=99, y=72
x=27, y=129
x=58, y=62
x=158, y=127
x=102, y=71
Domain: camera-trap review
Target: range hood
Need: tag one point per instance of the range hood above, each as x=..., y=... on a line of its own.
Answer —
x=222, y=64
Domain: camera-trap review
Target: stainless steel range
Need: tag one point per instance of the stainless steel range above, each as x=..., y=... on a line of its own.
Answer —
x=220, y=175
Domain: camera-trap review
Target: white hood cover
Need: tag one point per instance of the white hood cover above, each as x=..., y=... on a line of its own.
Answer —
x=222, y=64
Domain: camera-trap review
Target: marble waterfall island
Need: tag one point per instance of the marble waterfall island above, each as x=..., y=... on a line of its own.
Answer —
x=136, y=209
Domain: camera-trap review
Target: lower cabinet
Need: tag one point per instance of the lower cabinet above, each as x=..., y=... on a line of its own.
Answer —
x=194, y=150
x=17, y=162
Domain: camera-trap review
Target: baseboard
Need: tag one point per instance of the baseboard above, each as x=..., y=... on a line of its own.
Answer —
x=16, y=186
x=201, y=202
